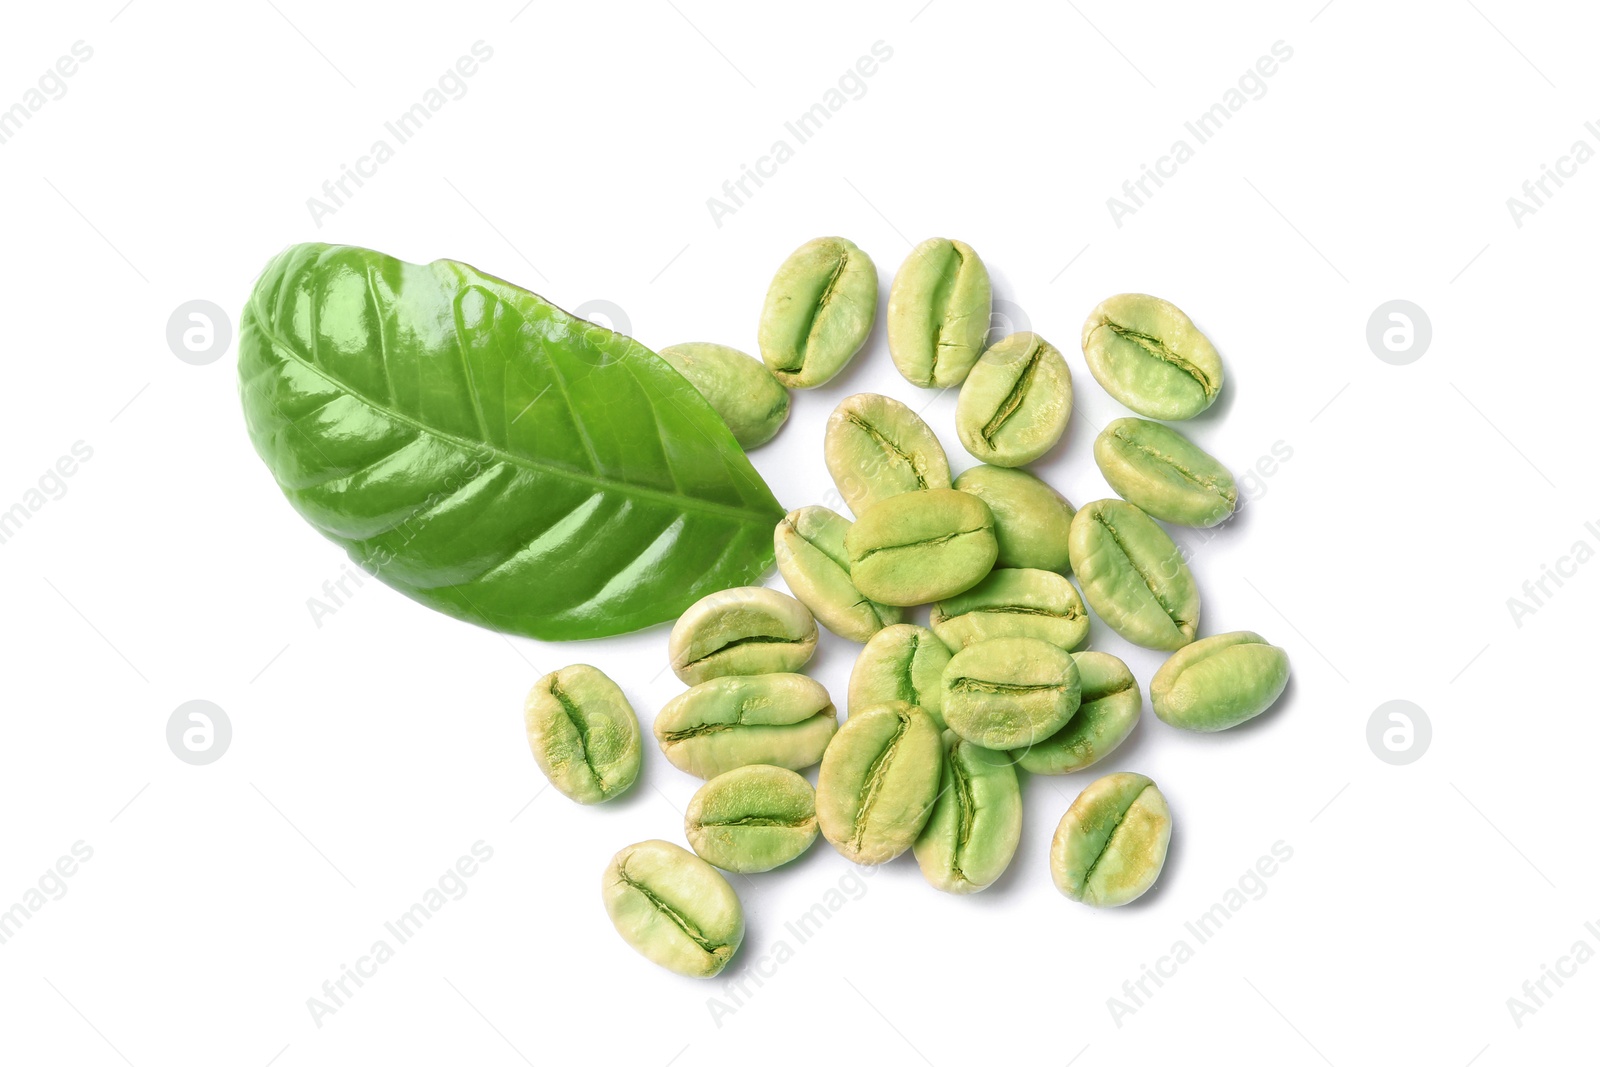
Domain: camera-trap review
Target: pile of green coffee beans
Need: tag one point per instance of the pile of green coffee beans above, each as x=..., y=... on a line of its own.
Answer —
x=940, y=717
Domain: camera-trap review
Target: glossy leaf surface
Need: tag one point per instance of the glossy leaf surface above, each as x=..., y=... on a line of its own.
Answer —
x=488, y=454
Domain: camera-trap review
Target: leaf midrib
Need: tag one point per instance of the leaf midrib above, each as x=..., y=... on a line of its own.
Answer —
x=682, y=503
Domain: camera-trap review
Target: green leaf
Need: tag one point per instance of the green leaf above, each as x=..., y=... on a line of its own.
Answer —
x=488, y=454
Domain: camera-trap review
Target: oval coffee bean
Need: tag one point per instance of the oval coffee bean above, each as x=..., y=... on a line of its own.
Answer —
x=583, y=733
x=878, y=782
x=745, y=630
x=1030, y=518
x=1112, y=842
x=1016, y=402
x=738, y=387
x=1133, y=575
x=809, y=543
x=938, y=313
x=752, y=819
x=1219, y=681
x=1164, y=473
x=1014, y=603
x=673, y=908
x=784, y=720
x=902, y=662
x=919, y=547
x=876, y=447
x=818, y=313
x=976, y=822
x=1108, y=709
x=1146, y=353
x=1010, y=692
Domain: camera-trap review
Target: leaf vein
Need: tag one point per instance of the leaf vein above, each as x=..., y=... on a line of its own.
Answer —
x=431, y=506
x=577, y=419
x=459, y=335
x=344, y=475
x=737, y=513
x=383, y=336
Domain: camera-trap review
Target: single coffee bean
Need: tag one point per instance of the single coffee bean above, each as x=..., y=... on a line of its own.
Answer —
x=1108, y=709
x=1010, y=692
x=1146, y=353
x=1219, y=681
x=878, y=782
x=811, y=557
x=1013, y=603
x=784, y=720
x=1133, y=575
x=1016, y=402
x=902, y=662
x=1112, y=842
x=919, y=547
x=938, y=313
x=1164, y=473
x=752, y=819
x=973, y=832
x=818, y=313
x=1030, y=518
x=673, y=908
x=745, y=630
x=738, y=387
x=876, y=447
x=583, y=733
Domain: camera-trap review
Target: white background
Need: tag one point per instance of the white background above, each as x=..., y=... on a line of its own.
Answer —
x=372, y=751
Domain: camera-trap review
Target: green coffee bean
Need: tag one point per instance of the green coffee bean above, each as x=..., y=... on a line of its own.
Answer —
x=1030, y=518
x=784, y=720
x=1112, y=842
x=810, y=548
x=1010, y=692
x=1133, y=576
x=752, y=819
x=818, y=313
x=746, y=630
x=1016, y=402
x=1219, y=681
x=975, y=825
x=1108, y=709
x=938, y=313
x=583, y=733
x=673, y=908
x=878, y=781
x=903, y=662
x=1164, y=473
x=1014, y=603
x=738, y=387
x=920, y=547
x=1146, y=353
x=876, y=447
